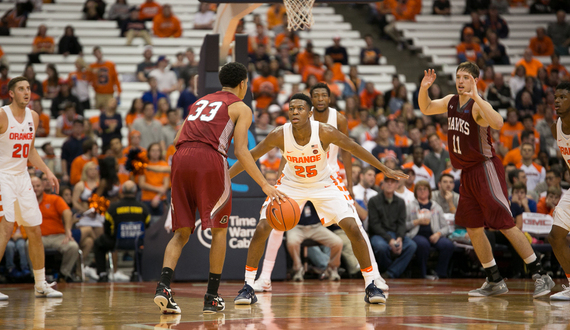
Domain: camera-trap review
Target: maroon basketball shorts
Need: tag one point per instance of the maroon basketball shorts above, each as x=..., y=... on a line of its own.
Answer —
x=200, y=181
x=483, y=197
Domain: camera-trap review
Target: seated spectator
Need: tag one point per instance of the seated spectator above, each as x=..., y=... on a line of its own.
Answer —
x=52, y=161
x=187, y=98
x=494, y=52
x=427, y=227
x=328, y=79
x=162, y=108
x=387, y=230
x=133, y=27
x=105, y=81
x=477, y=26
x=315, y=68
x=94, y=10
x=559, y=32
x=259, y=38
x=437, y=159
x=276, y=17
x=555, y=65
x=64, y=125
x=441, y=7
x=204, y=18
x=363, y=192
x=119, y=12
x=131, y=210
x=4, y=80
x=421, y=171
x=337, y=52
x=36, y=87
x=547, y=204
x=553, y=179
x=288, y=40
x=306, y=57
x=110, y=124
x=149, y=10
x=190, y=69
x=154, y=185
x=169, y=129
x=528, y=124
x=166, y=80
x=530, y=63
x=271, y=160
x=90, y=153
x=153, y=95
x=149, y=128
x=523, y=203
x=541, y=7
x=498, y=94
x=260, y=55
x=335, y=68
x=64, y=97
x=265, y=87
x=146, y=66
x=476, y=6
x=309, y=227
x=69, y=43
x=518, y=80
x=135, y=112
x=42, y=44
x=353, y=85
x=43, y=126
x=17, y=243
x=13, y=18
x=514, y=155
x=368, y=95
x=468, y=50
x=134, y=142
x=445, y=196
x=57, y=221
x=496, y=23
x=397, y=101
x=541, y=45
x=534, y=172
x=72, y=148
x=370, y=54
x=52, y=85
x=79, y=82
x=534, y=92
x=166, y=25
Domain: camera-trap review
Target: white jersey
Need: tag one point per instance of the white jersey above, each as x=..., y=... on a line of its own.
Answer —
x=15, y=143
x=332, y=154
x=562, y=211
x=308, y=163
x=563, y=142
x=535, y=174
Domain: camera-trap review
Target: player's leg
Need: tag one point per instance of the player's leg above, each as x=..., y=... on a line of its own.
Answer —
x=6, y=229
x=263, y=283
x=557, y=238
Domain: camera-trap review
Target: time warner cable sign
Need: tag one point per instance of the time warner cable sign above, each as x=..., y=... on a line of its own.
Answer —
x=240, y=232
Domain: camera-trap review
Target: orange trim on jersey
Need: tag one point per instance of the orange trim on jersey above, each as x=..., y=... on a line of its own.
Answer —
x=250, y=269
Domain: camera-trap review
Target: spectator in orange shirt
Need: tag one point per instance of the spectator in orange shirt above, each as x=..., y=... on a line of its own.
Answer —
x=105, y=81
x=3, y=59
x=305, y=58
x=530, y=63
x=265, y=87
x=555, y=64
x=514, y=155
x=57, y=220
x=547, y=204
x=316, y=68
x=90, y=153
x=289, y=40
x=154, y=185
x=135, y=112
x=51, y=85
x=259, y=39
x=468, y=50
x=166, y=25
x=64, y=122
x=368, y=95
x=511, y=128
x=42, y=44
x=4, y=80
x=541, y=45
x=335, y=68
x=148, y=10
x=271, y=161
x=333, y=86
x=14, y=18
x=116, y=150
x=276, y=17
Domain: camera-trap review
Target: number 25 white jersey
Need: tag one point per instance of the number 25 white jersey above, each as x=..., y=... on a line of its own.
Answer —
x=15, y=143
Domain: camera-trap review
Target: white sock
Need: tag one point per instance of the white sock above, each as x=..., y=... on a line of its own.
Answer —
x=530, y=259
x=370, y=252
x=368, y=275
x=40, y=277
x=489, y=264
x=250, y=274
x=267, y=269
x=273, y=245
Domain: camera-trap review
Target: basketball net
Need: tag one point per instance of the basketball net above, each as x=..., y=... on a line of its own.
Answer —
x=299, y=14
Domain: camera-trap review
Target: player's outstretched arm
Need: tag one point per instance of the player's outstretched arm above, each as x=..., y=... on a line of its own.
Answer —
x=37, y=160
x=427, y=105
x=259, y=150
x=330, y=134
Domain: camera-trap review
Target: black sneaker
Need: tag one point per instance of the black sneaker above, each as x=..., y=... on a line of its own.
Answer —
x=163, y=299
x=246, y=296
x=213, y=303
x=103, y=278
x=374, y=295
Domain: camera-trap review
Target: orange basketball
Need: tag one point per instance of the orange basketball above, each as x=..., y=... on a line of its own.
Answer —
x=283, y=216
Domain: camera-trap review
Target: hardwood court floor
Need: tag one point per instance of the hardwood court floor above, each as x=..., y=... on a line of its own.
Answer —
x=312, y=305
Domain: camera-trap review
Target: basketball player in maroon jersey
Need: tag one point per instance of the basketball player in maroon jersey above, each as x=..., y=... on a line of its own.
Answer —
x=483, y=198
x=201, y=181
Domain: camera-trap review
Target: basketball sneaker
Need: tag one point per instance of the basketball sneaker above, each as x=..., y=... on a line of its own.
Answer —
x=373, y=295
x=213, y=303
x=246, y=296
x=163, y=299
x=262, y=285
x=490, y=289
x=542, y=285
x=46, y=291
x=381, y=284
x=3, y=296
x=563, y=295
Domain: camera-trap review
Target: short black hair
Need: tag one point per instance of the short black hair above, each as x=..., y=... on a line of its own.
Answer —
x=301, y=96
x=12, y=84
x=88, y=145
x=526, y=117
x=444, y=175
x=232, y=74
x=525, y=134
x=514, y=174
x=554, y=171
x=564, y=85
x=320, y=85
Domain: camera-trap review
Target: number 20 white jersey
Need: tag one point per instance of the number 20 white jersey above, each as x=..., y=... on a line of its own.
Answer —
x=15, y=143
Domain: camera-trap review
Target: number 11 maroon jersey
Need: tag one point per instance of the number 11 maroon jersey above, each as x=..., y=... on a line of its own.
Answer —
x=208, y=122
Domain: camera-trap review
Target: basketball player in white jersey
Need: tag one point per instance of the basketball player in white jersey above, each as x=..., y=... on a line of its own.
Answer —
x=18, y=201
x=561, y=225
x=320, y=96
x=308, y=176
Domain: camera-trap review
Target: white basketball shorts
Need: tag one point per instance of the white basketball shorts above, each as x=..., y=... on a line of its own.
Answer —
x=562, y=212
x=330, y=198
x=18, y=202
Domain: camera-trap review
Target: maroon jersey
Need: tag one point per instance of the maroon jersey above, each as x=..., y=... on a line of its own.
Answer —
x=208, y=122
x=469, y=144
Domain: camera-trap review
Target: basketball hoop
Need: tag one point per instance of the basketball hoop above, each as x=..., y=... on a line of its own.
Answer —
x=299, y=14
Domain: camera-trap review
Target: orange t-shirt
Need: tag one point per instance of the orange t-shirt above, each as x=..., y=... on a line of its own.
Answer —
x=154, y=179
x=22, y=231
x=561, y=69
x=265, y=40
x=77, y=168
x=51, y=91
x=1, y=52
x=149, y=10
x=43, y=43
x=291, y=44
x=44, y=123
x=402, y=141
x=336, y=69
x=541, y=207
x=52, y=207
x=4, y=95
x=274, y=165
x=543, y=47
x=304, y=59
x=169, y=153
x=264, y=83
x=470, y=50
x=313, y=70
x=275, y=19
x=164, y=27
x=122, y=173
x=531, y=68
x=513, y=156
x=509, y=131
x=106, y=79
x=367, y=99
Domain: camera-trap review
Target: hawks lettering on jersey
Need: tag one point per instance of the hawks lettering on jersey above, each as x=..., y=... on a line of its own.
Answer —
x=458, y=124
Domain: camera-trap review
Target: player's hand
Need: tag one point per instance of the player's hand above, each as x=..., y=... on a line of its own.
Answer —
x=473, y=92
x=53, y=180
x=429, y=78
x=396, y=175
x=274, y=194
